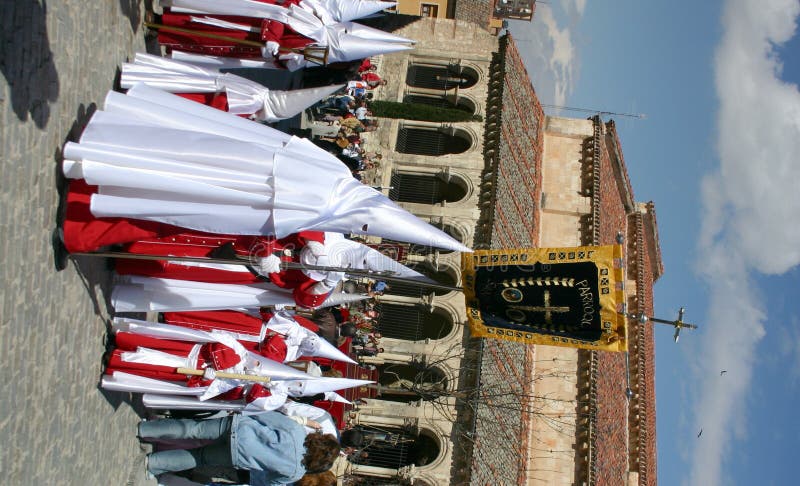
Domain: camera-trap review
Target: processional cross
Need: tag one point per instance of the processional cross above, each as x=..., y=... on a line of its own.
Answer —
x=678, y=323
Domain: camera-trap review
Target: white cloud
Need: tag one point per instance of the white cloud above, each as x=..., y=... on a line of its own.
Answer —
x=577, y=6
x=549, y=54
x=751, y=215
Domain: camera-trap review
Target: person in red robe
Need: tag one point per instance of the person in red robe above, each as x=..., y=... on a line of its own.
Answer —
x=83, y=232
x=209, y=356
x=261, y=30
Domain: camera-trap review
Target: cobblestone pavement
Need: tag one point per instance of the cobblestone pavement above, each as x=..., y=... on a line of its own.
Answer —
x=58, y=59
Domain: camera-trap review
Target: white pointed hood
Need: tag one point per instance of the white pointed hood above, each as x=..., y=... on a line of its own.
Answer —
x=357, y=256
x=307, y=388
x=245, y=97
x=344, y=46
x=328, y=350
x=369, y=33
x=250, y=179
x=286, y=104
x=361, y=210
x=339, y=298
x=335, y=397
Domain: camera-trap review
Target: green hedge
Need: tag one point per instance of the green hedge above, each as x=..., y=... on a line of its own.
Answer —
x=421, y=112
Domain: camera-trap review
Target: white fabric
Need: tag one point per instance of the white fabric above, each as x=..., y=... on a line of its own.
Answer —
x=343, y=44
x=296, y=409
x=357, y=256
x=162, y=158
x=326, y=25
x=127, y=382
x=344, y=10
x=366, y=33
x=335, y=397
x=144, y=294
x=269, y=264
x=176, y=402
x=218, y=62
x=307, y=388
x=245, y=97
x=249, y=362
x=327, y=10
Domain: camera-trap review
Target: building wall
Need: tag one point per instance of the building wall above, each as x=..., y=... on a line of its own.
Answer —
x=424, y=8
x=565, y=199
x=565, y=203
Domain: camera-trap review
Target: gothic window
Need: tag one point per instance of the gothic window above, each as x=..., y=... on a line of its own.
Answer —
x=425, y=188
x=410, y=323
x=432, y=141
x=440, y=77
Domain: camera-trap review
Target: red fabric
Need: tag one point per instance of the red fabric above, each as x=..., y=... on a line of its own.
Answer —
x=366, y=65
x=129, y=341
x=83, y=232
x=307, y=324
x=273, y=347
x=257, y=391
x=267, y=31
x=211, y=354
x=226, y=320
x=115, y=363
x=174, y=270
x=214, y=100
x=126, y=341
x=370, y=77
x=304, y=297
x=190, y=243
x=220, y=356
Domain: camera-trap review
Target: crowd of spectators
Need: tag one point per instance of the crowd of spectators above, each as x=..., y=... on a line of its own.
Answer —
x=348, y=114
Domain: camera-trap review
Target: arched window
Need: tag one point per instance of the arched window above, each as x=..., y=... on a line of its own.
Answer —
x=441, y=77
x=445, y=277
x=432, y=141
x=425, y=188
x=443, y=101
x=410, y=382
x=394, y=448
x=411, y=322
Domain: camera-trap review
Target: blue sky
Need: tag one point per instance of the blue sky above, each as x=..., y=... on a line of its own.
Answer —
x=718, y=153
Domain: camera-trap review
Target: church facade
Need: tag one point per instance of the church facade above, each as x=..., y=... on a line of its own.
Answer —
x=457, y=410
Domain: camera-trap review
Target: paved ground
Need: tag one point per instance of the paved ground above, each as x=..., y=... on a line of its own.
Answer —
x=58, y=59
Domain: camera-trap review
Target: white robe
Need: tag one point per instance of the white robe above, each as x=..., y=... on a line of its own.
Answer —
x=245, y=97
x=158, y=157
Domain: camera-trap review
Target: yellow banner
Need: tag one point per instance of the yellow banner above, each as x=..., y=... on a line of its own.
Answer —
x=557, y=296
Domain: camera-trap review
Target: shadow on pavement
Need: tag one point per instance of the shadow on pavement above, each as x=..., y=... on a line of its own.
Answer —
x=26, y=61
x=130, y=9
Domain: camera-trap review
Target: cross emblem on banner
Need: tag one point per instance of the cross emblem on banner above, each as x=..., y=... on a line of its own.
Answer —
x=547, y=309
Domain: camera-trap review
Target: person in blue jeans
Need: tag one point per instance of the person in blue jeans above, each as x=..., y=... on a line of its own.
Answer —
x=274, y=448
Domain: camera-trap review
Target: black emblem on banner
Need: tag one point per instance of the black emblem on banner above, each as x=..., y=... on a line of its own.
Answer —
x=559, y=299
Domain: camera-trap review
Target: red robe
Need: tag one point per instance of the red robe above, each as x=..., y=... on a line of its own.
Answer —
x=228, y=320
x=240, y=323
x=214, y=355
x=85, y=233
x=267, y=31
